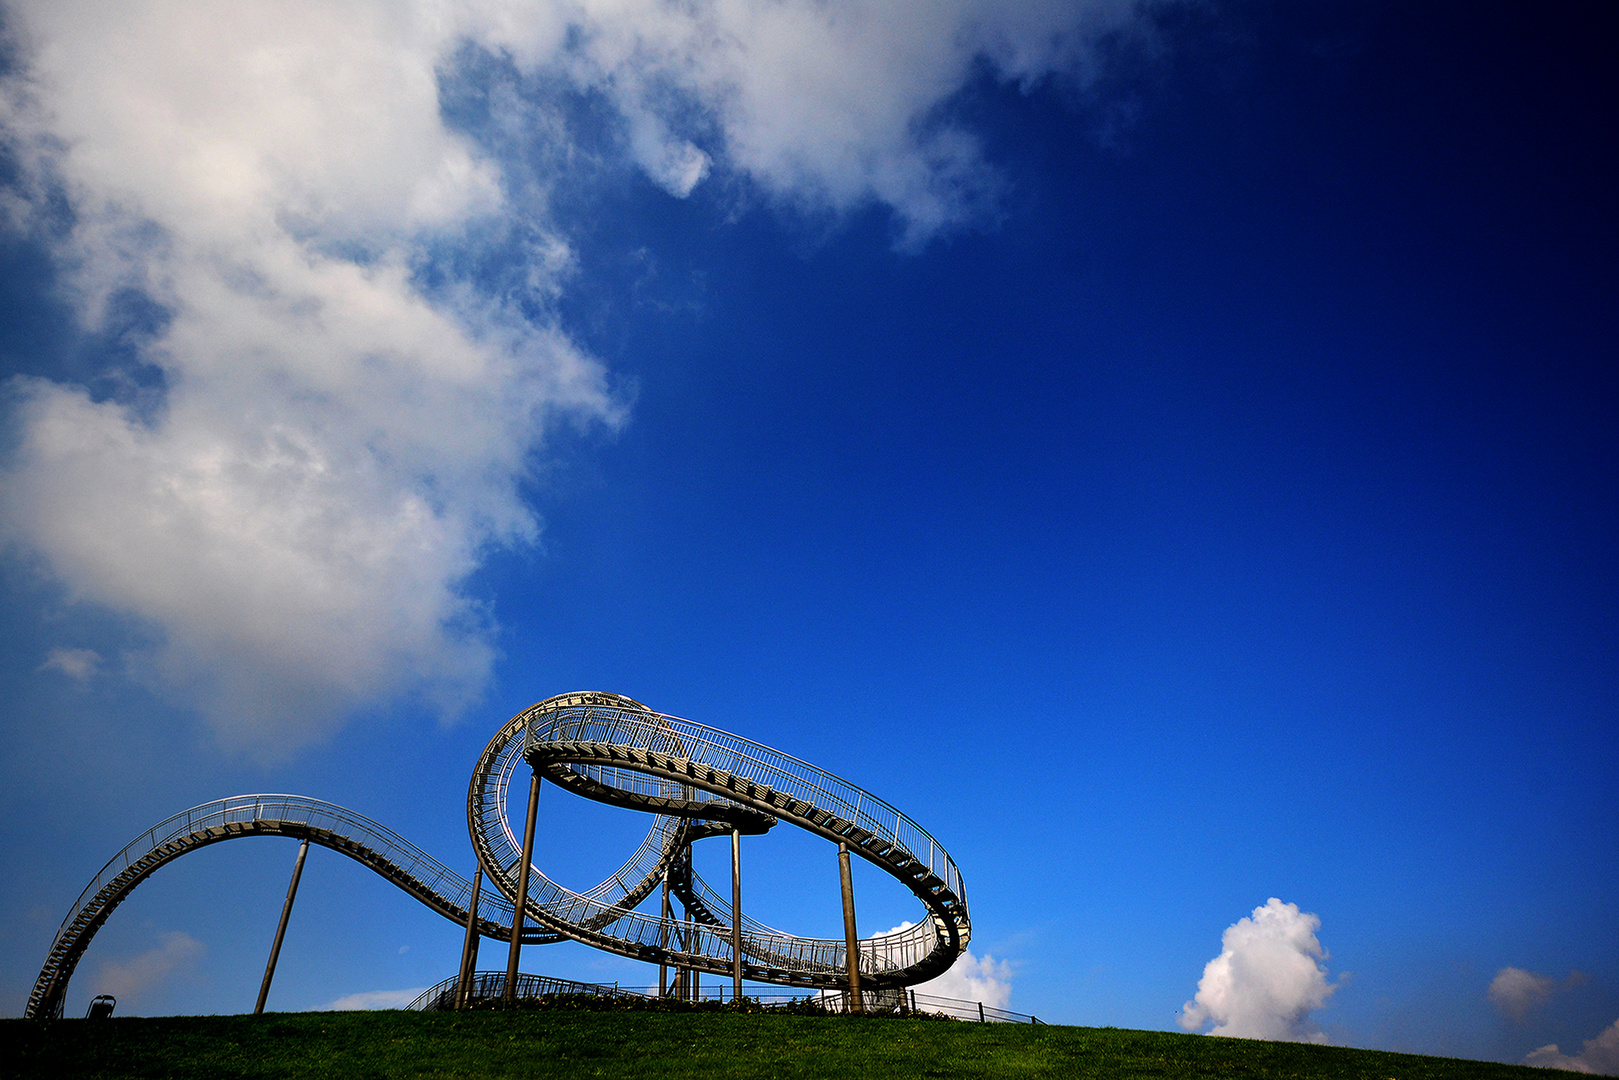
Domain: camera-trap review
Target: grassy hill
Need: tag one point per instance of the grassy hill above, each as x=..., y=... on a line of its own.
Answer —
x=654, y=1046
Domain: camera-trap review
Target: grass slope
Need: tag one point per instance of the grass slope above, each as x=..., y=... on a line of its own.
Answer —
x=653, y=1046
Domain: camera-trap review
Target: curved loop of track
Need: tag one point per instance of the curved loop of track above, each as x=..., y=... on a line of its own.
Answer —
x=697, y=781
x=616, y=750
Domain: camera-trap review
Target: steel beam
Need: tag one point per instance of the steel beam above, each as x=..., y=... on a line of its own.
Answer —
x=736, y=916
x=663, y=940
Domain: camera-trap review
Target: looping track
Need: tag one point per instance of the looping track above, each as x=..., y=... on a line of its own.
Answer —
x=696, y=780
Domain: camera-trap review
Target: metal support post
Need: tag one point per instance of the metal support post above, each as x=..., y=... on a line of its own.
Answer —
x=736, y=916
x=851, y=940
x=469, y=948
x=687, y=975
x=522, y=888
x=281, y=929
x=980, y=1012
x=663, y=939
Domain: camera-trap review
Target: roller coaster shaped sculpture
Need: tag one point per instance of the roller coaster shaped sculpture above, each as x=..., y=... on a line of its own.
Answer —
x=697, y=781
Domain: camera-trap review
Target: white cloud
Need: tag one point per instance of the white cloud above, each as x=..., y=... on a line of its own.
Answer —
x=826, y=106
x=973, y=978
x=970, y=978
x=76, y=664
x=1515, y=991
x=1601, y=1055
x=1266, y=980
x=335, y=443
x=374, y=999
x=127, y=980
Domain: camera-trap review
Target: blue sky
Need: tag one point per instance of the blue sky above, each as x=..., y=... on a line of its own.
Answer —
x=1168, y=452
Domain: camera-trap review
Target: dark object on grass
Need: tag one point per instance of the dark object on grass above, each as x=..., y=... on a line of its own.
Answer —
x=101, y=1007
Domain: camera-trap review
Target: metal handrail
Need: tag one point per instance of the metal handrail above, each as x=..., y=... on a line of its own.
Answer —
x=752, y=761
x=359, y=837
x=602, y=722
x=605, y=916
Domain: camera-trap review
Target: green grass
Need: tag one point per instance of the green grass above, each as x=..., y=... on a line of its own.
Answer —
x=653, y=1046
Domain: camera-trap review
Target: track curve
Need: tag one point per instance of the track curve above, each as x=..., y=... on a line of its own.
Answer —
x=372, y=845
x=616, y=750
x=697, y=781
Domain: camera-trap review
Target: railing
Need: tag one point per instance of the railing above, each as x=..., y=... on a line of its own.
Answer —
x=412, y=861
x=746, y=759
x=491, y=986
x=605, y=915
x=751, y=762
x=384, y=850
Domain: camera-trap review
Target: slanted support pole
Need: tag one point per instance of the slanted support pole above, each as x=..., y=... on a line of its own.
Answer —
x=851, y=940
x=281, y=929
x=736, y=916
x=469, y=948
x=522, y=888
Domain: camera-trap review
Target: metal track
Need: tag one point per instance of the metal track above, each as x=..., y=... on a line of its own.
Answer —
x=616, y=750
x=697, y=781
x=361, y=839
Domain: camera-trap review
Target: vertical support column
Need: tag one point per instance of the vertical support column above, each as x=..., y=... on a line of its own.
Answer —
x=281, y=929
x=469, y=948
x=851, y=940
x=663, y=938
x=736, y=916
x=687, y=976
x=522, y=888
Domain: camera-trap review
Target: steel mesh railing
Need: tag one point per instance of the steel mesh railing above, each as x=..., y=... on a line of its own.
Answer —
x=606, y=915
x=746, y=759
x=711, y=748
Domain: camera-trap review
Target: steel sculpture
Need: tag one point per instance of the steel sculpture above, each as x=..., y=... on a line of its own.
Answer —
x=695, y=780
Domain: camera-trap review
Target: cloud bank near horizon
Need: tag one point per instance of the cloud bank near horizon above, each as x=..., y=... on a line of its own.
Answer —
x=128, y=979
x=320, y=420
x=1266, y=981
x=1600, y=1055
x=373, y=999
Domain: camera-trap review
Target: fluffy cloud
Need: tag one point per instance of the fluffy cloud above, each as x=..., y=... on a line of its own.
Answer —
x=1601, y=1055
x=126, y=981
x=974, y=978
x=326, y=417
x=1266, y=980
x=1515, y=991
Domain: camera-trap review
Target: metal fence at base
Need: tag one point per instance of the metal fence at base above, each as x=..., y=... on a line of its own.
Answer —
x=491, y=986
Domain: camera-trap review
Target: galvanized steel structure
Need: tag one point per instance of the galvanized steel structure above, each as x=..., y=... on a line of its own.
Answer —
x=695, y=780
